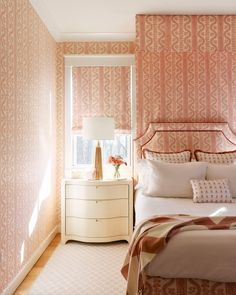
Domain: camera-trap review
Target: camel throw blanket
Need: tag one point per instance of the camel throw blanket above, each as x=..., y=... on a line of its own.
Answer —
x=151, y=236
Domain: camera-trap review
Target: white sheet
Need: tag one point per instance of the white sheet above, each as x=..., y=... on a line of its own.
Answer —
x=207, y=255
x=146, y=206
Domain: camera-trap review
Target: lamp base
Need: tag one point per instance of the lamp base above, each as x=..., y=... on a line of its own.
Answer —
x=98, y=162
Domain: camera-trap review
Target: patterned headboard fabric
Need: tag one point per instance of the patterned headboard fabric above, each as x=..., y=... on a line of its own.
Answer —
x=175, y=137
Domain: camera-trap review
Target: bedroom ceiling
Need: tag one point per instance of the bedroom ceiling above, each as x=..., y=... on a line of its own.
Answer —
x=110, y=20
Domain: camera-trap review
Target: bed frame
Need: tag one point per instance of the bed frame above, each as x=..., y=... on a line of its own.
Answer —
x=175, y=137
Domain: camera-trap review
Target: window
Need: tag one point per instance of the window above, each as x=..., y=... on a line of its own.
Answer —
x=79, y=71
x=83, y=149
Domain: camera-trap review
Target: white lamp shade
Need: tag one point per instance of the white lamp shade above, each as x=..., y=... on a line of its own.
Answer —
x=98, y=128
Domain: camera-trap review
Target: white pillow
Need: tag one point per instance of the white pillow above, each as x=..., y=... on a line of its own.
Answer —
x=142, y=173
x=178, y=157
x=218, y=171
x=211, y=191
x=172, y=180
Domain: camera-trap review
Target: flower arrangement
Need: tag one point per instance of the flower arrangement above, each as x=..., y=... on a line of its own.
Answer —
x=116, y=161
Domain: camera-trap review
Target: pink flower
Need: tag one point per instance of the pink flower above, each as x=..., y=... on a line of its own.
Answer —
x=116, y=160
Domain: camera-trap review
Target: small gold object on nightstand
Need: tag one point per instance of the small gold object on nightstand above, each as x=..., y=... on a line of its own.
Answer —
x=98, y=128
x=98, y=162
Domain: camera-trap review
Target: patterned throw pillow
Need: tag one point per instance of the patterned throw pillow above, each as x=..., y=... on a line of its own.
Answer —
x=216, y=158
x=180, y=157
x=211, y=191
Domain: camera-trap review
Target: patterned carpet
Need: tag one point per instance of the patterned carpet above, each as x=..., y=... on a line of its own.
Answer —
x=83, y=269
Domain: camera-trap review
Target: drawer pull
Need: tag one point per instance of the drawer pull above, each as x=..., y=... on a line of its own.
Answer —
x=96, y=202
x=96, y=220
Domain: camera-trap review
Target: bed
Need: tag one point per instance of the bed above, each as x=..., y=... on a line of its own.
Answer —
x=193, y=262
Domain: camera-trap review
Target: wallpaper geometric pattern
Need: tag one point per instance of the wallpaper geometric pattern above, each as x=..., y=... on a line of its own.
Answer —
x=186, y=33
x=186, y=69
x=101, y=91
x=27, y=136
x=96, y=47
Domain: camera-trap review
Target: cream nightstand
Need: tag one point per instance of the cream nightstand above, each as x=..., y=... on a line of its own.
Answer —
x=96, y=210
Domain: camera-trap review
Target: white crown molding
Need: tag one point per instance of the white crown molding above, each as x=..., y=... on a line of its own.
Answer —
x=102, y=37
x=117, y=19
x=43, y=12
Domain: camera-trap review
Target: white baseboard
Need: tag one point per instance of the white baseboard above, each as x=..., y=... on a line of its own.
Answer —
x=28, y=266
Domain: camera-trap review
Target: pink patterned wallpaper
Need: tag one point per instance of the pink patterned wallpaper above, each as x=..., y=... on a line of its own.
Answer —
x=102, y=91
x=27, y=135
x=186, y=69
x=66, y=48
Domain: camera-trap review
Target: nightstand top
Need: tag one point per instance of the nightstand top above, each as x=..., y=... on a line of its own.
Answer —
x=97, y=182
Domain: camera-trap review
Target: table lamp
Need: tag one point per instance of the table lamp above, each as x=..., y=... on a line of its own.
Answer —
x=98, y=128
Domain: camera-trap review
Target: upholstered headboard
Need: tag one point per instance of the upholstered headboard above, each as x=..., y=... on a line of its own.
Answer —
x=175, y=137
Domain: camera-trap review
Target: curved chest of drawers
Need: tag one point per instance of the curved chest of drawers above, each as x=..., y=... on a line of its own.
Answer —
x=97, y=211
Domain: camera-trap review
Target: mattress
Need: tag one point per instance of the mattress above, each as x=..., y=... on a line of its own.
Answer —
x=209, y=255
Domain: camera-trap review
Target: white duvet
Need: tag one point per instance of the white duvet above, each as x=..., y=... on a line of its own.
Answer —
x=146, y=206
x=207, y=255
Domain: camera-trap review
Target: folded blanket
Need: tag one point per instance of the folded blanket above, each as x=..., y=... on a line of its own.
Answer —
x=151, y=236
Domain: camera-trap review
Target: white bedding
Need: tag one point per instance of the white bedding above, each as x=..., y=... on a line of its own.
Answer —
x=146, y=206
x=207, y=255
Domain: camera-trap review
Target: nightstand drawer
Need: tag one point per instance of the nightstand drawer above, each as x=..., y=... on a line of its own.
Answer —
x=97, y=228
x=97, y=208
x=87, y=192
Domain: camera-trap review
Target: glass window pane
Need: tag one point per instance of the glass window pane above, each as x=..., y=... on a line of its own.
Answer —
x=83, y=150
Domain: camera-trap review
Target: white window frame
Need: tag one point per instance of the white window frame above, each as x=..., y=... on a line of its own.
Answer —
x=93, y=60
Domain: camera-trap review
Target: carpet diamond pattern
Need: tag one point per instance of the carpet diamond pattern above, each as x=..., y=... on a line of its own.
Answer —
x=83, y=269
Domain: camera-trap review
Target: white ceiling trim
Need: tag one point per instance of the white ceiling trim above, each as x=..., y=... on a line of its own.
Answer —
x=44, y=14
x=47, y=19
x=102, y=37
x=112, y=20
